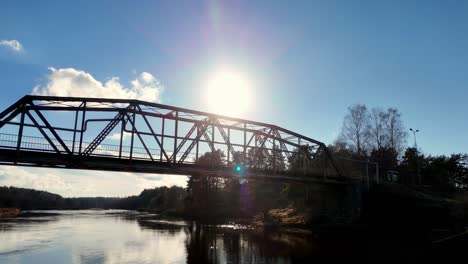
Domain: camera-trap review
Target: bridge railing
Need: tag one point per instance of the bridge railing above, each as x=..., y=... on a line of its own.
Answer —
x=32, y=143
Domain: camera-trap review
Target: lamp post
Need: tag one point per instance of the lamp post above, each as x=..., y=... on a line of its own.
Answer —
x=417, y=155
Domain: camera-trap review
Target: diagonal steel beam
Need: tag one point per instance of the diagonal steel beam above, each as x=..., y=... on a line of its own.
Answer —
x=105, y=131
x=12, y=111
x=250, y=140
x=139, y=137
x=51, y=129
x=209, y=141
x=226, y=138
x=14, y=106
x=103, y=134
x=282, y=144
x=200, y=133
x=181, y=144
x=10, y=117
x=263, y=140
x=154, y=134
x=261, y=148
x=44, y=134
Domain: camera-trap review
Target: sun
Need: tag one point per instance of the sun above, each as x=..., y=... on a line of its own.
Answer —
x=228, y=92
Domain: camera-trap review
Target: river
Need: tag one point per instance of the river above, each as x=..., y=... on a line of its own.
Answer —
x=114, y=236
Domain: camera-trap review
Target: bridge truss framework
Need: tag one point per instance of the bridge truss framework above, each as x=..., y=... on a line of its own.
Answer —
x=138, y=136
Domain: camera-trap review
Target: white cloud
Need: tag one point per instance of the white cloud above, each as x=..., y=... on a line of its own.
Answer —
x=73, y=82
x=116, y=136
x=36, y=179
x=12, y=44
x=147, y=77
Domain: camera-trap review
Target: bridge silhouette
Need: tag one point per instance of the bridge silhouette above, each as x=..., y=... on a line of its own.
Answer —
x=137, y=136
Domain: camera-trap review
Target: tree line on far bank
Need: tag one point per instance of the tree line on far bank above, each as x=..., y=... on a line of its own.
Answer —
x=162, y=199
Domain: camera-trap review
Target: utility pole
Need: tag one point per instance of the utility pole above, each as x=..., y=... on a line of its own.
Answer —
x=417, y=155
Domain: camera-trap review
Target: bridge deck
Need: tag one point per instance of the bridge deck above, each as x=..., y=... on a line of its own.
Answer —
x=53, y=160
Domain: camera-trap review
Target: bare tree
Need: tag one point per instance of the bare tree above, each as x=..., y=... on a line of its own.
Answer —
x=356, y=128
x=395, y=130
x=378, y=123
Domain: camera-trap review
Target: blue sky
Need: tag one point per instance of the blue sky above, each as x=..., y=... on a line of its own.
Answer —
x=307, y=61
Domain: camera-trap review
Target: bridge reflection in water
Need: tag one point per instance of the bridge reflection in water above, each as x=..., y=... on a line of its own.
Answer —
x=137, y=136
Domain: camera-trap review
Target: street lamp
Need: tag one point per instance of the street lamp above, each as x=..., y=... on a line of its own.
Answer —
x=417, y=156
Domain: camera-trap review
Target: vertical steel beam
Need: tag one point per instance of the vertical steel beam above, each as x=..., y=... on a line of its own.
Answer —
x=20, y=130
x=213, y=151
x=255, y=153
x=274, y=156
x=198, y=142
x=175, y=135
x=162, y=138
x=74, y=131
x=245, y=142
x=82, y=127
x=122, y=129
x=228, y=143
x=133, y=133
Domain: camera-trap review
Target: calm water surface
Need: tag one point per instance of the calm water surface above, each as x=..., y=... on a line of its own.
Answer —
x=111, y=236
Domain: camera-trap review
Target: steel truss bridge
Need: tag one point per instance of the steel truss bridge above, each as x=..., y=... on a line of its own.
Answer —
x=137, y=136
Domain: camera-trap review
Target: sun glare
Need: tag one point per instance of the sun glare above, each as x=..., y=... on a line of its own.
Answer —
x=228, y=92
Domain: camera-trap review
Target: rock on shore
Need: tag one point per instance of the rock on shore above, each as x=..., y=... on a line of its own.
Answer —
x=285, y=217
x=9, y=212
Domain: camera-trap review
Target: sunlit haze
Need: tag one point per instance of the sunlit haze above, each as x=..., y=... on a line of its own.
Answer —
x=228, y=92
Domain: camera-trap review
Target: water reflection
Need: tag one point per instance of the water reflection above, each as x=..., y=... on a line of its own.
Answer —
x=126, y=237
x=215, y=245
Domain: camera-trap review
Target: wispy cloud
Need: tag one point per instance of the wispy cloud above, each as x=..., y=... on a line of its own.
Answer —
x=73, y=82
x=12, y=44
